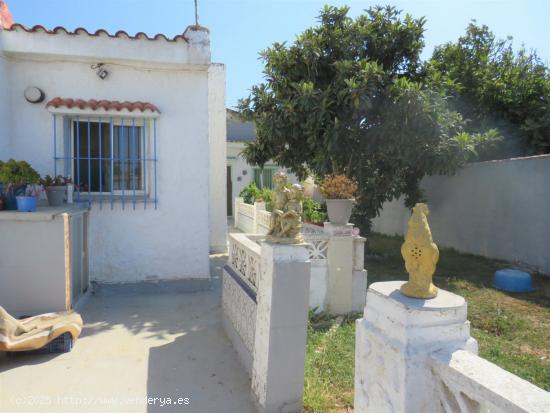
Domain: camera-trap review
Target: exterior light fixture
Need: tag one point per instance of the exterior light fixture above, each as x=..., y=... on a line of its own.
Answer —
x=101, y=72
x=34, y=94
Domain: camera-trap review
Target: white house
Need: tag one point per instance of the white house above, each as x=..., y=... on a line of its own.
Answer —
x=139, y=122
x=239, y=173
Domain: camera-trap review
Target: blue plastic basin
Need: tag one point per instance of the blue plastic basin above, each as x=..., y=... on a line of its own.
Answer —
x=514, y=281
x=26, y=203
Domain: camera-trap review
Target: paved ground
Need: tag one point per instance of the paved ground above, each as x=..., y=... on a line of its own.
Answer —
x=133, y=347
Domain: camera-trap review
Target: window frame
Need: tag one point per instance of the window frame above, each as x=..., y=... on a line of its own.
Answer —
x=74, y=119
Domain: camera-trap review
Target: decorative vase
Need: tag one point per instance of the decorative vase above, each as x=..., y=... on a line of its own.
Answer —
x=26, y=203
x=56, y=195
x=339, y=210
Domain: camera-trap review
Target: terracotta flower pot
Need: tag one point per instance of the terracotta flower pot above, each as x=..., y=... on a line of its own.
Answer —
x=339, y=210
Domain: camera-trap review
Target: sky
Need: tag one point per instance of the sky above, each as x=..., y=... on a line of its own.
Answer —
x=241, y=28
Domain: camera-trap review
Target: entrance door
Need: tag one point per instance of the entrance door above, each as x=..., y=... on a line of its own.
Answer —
x=229, y=192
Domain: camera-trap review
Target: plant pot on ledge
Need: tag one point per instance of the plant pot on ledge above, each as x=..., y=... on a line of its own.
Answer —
x=339, y=210
x=56, y=189
x=56, y=195
x=339, y=192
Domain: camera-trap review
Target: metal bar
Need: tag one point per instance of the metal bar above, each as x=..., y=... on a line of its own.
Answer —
x=134, y=154
x=144, y=155
x=54, y=145
x=89, y=165
x=120, y=156
x=100, y=167
x=78, y=158
x=67, y=146
x=155, y=158
x=93, y=158
x=112, y=161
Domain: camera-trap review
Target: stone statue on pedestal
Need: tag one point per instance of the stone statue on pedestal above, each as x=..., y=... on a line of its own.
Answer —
x=420, y=254
x=286, y=216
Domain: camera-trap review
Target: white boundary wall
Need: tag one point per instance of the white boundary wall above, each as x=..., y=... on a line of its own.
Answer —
x=338, y=276
x=498, y=209
x=264, y=312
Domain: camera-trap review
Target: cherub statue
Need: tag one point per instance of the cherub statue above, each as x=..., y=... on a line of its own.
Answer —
x=420, y=254
x=281, y=195
x=291, y=220
x=286, y=216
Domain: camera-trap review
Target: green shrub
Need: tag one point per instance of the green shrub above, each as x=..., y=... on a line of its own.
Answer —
x=18, y=172
x=252, y=193
x=266, y=195
x=314, y=211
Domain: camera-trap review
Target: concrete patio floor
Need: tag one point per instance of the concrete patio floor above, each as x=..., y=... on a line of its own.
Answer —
x=132, y=347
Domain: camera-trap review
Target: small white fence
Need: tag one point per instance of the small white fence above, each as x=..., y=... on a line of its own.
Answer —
x=415, y=355
x=264, y=311
x=328, y=249
x=467, y=383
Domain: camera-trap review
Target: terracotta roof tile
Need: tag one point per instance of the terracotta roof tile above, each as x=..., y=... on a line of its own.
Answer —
x=5, y=16
x=102, y=104
x=97, y=33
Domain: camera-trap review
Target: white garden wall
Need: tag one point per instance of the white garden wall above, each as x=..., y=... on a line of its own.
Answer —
x=338, y=281
x=129, y=245
x=498, y=209
x=4, y=108
x=217, y=174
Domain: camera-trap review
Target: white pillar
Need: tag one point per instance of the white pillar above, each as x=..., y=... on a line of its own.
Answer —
x=347, y=279
x=238, y=201
x=281, y=328
x=393, y=341
x=258, y=206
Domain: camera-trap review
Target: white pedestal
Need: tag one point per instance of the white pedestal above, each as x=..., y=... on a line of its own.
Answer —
x=347, y=279
x=281, y=328
x=392, y=342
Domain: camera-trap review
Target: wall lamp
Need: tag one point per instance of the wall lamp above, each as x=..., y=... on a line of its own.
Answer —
x=101, y=72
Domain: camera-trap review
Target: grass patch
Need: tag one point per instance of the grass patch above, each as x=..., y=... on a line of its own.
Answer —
x=513, y=330
x=328, y=385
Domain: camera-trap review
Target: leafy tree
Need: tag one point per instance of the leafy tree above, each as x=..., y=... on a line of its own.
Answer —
x=347, y=98
x=494, y=87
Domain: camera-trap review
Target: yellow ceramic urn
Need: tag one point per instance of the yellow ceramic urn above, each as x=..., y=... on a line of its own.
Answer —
x=420, y=254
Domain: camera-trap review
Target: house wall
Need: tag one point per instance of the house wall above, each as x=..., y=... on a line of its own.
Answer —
x=4, y=107
x=497, y=209
x=129, y=245
x=218, y=183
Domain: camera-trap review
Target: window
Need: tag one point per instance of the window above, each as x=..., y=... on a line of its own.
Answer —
x=110, y=159
x=92, y=157
x=264, y=177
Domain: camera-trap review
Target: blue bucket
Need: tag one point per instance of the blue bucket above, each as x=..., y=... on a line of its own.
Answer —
x=26, y=203
x=514, y=281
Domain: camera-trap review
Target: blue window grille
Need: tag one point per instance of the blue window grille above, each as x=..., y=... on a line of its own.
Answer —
x=110, y=159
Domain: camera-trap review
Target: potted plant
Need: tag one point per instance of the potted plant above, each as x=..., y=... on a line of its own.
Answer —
x=55, y=189
x=19, y=180
x=339, y=191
